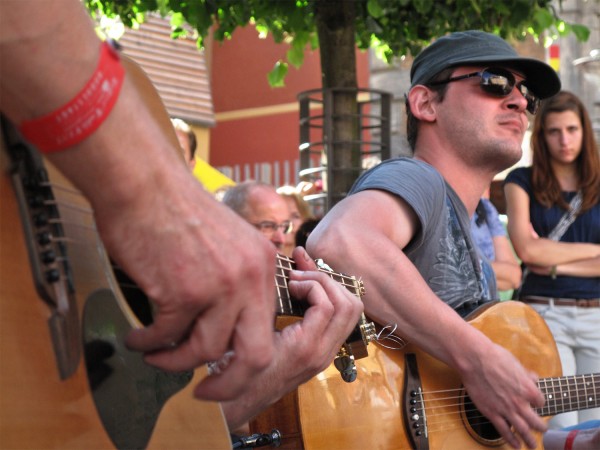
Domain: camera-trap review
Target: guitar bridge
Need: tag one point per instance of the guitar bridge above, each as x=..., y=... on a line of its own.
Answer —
x=413, y=413
x=47, y=248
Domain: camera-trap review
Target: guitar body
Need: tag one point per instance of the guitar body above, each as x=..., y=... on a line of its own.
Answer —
x=368, y=413
x=37, y=409
x=42, y=407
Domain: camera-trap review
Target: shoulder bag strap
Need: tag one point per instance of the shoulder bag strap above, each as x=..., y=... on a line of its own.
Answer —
x=557, y=232
x=567, y=219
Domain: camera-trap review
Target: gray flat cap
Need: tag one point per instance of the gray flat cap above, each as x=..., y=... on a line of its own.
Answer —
x=473, y=47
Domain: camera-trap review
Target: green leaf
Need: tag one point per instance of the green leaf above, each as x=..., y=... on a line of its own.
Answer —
x=177, y=20
x=277, y=75
x=177, y=32
x=563, y=28
x=423, y=6
x=314, y=41
x=262, y=29
x=374, y=8
x=543, y=17
x=295, y=55
x=475, y=7
x=582, y=33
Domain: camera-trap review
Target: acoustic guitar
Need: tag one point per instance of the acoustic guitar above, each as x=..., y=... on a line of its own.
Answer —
x=53, y=394
x=404, y=399
x=66, y=378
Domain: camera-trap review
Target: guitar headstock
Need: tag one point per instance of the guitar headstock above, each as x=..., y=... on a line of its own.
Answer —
x=355, y=346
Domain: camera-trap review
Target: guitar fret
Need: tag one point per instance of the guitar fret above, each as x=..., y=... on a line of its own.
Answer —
x=567, y=396
x=544, y=410
x=570, y=393
x=591, y=394
x=284, y=299
x=286, y=305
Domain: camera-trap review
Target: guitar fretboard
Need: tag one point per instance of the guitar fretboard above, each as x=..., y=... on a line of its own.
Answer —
x=286, y=304
x=571, y=393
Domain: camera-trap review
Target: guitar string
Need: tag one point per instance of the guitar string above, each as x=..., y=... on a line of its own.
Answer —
x=468, y=406
x=346, y=280
x=452, y=419
x=438, y=422
x=355, y=286
x=576, y=383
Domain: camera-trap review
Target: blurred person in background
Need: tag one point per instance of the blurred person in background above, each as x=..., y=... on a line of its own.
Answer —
x=187, y=140
x=260, y=205
x=553, y=212
x=299, y=213
x=490, y=237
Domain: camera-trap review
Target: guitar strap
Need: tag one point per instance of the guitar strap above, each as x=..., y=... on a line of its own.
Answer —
x=485, y=284
x=557, y=232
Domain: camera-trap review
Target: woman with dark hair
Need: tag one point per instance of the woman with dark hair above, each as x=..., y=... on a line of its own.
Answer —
x=553, y=210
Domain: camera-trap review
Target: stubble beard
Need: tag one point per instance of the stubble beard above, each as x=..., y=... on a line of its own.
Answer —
x=504, y=155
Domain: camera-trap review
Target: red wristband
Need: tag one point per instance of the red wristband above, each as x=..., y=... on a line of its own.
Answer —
x=78, y=119
x=570, y=439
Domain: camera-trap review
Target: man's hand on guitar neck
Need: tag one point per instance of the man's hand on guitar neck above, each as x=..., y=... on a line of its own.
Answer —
x=209, y=273
x=306, y=347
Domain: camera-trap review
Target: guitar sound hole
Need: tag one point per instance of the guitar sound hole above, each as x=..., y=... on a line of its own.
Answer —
x=479, y=426
x=135, y=297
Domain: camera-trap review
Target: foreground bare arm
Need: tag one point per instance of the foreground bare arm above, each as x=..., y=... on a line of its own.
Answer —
x=209, y=273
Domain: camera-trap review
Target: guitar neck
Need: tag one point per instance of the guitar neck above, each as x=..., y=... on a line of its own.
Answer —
x=356, y=344
x=289, y=306
x=570, y=393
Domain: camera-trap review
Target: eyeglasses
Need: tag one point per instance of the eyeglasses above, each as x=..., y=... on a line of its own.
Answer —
x=498, y=82
x=268, y=227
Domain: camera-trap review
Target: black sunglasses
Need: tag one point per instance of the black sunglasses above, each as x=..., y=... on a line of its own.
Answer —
x=498, y=82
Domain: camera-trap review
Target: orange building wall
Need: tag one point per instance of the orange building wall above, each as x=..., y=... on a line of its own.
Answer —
x=256, y=122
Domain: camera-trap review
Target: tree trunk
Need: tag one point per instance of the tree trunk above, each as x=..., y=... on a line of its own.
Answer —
x=335, y=27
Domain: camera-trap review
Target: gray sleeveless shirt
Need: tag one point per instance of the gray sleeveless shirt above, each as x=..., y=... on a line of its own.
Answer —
x=442, y=250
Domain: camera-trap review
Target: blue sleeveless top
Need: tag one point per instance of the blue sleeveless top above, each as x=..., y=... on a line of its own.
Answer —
x=585, y=228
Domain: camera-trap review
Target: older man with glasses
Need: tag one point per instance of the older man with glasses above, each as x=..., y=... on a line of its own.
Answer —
x=261, y=205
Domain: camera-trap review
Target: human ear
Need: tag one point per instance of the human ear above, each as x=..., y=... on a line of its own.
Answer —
x=422, y=104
